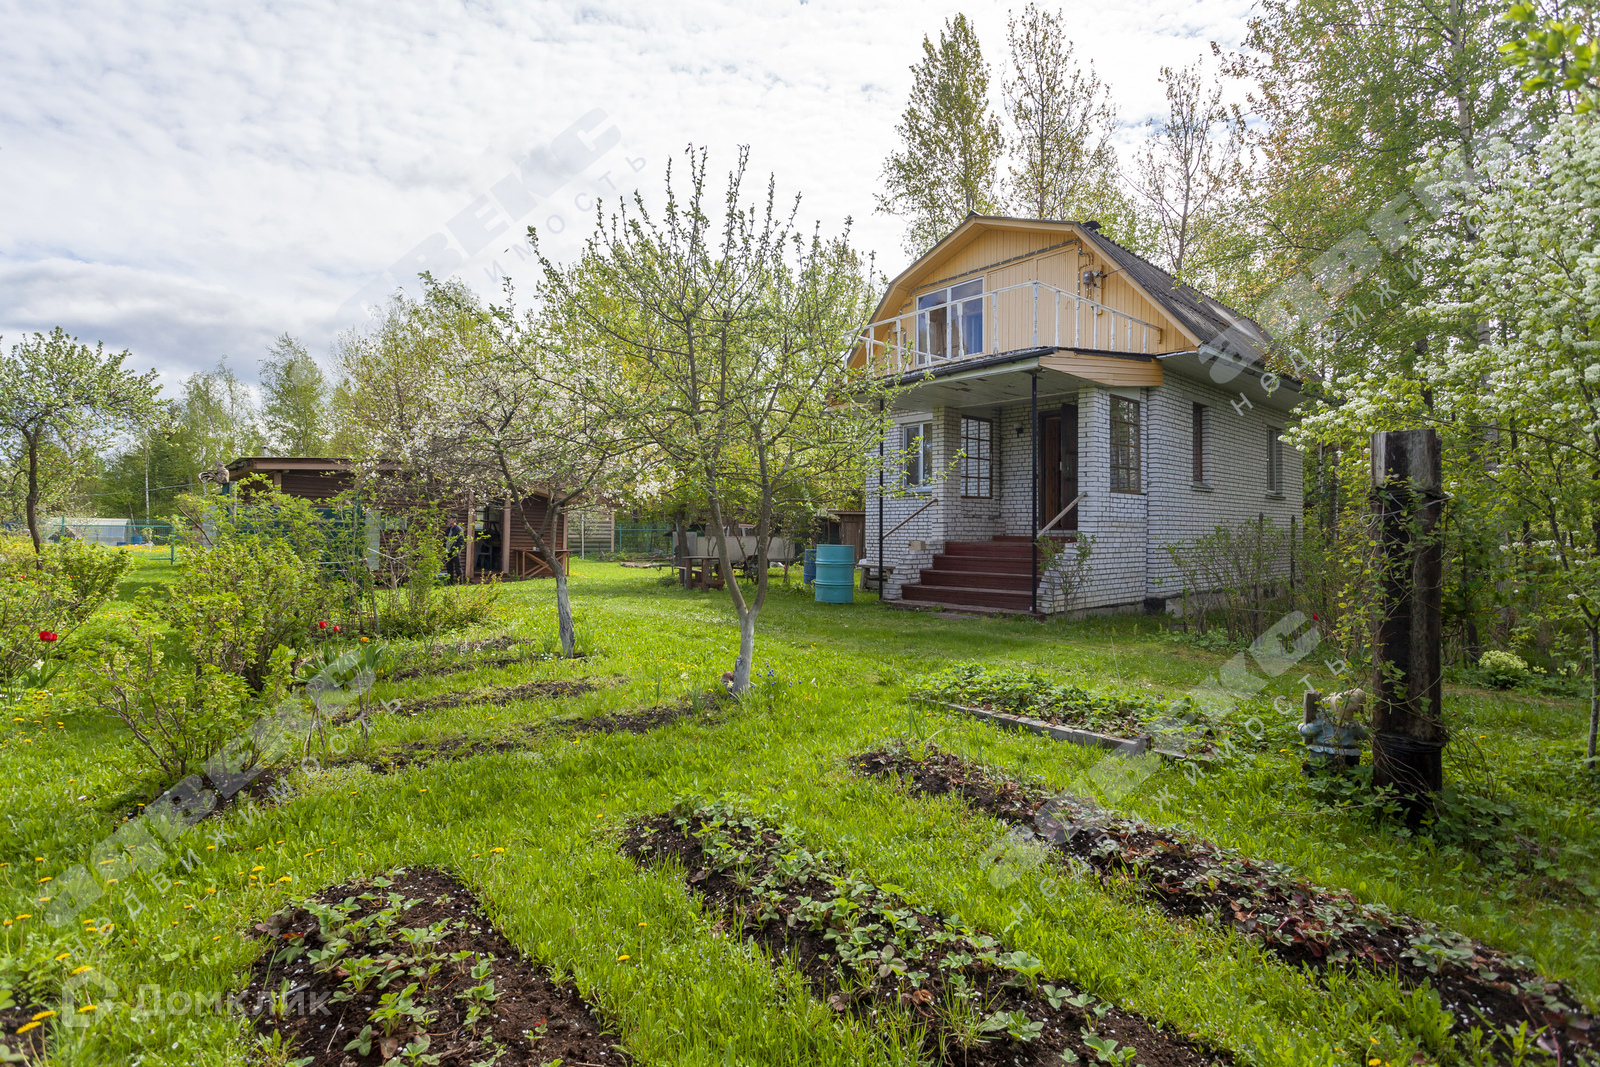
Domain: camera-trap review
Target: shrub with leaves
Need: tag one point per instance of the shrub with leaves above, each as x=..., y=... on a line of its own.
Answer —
x=45, y=597
x=177, y=714
x=1502, y=670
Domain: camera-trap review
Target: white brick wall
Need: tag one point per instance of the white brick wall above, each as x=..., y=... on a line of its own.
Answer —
x=1130, y=530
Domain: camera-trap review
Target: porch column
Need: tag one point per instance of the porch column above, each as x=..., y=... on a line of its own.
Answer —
x=1033, y=510
x=883, y=585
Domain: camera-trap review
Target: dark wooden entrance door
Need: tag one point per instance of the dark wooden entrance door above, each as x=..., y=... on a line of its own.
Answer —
x=1058, y=466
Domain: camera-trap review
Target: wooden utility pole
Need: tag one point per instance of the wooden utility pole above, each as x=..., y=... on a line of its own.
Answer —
x=1408, y=735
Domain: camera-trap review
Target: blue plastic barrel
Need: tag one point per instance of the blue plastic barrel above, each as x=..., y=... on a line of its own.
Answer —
x=836, y=574
x=811, y=565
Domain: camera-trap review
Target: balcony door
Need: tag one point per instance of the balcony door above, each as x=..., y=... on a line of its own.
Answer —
x=1058, y=466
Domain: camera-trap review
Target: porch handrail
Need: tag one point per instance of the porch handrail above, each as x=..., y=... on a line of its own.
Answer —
x=931, y=502
x=1061, y=516
x=1119, y=335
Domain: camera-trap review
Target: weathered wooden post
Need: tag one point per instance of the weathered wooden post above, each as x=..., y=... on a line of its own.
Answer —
x=1408, y=735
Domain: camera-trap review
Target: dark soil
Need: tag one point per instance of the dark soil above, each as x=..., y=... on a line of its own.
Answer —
x=816, y=916
x=646, y=719
x=531, y=1018
x=500, y=694
x=1291, y=918
x=30, y=1045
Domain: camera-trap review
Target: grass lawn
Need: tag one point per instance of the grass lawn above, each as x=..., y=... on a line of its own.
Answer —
x=532, y=825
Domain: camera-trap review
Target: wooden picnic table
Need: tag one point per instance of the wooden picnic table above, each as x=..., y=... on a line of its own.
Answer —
x=701, y=572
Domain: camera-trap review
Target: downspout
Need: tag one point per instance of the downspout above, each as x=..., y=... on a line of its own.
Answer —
x=1033, y=512
x=883, y=585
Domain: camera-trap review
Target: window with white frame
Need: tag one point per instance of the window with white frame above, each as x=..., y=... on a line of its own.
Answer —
x=1124, y=445
x=917, y=446
x=1274, y=460
x=950, y=322
x=977, y=457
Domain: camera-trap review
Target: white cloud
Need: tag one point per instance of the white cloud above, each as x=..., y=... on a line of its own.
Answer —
x=189, y=180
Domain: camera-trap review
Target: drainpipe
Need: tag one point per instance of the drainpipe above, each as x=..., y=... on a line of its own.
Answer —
x=883, y=585
x=1033, y=513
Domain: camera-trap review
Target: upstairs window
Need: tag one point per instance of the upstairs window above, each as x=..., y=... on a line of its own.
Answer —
x=1124, y=445
x=950, y=322
x=917, y=444
x=1274, y=460
x=977, y=463
x=1197, y=442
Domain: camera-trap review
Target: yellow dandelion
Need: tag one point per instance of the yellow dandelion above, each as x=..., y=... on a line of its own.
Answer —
x=256, y=868
x=25, y=1027
x=63, y=956
x=497, y=850
x=285, y=878
x=41, y=1016
x=644, y=924
x=45, y=879
x=621, y=958
x=85, y=967
x=87, y=1008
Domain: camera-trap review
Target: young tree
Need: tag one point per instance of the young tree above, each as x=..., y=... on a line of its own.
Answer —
x=57, y=391
x=951, y=141
x=521, y=424
x=1190, y=168
x=294, y=399
x=718, y=342
x=1063, y=163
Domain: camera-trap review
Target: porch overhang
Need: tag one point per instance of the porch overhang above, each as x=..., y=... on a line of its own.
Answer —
x=993, y=381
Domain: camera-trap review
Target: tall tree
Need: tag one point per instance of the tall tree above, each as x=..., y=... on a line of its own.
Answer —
x=718, y=343
x=215, y=420
x=294, y=399
x=951, y=141
x=1064, y=165
x=58, y=392
x=1189, y=168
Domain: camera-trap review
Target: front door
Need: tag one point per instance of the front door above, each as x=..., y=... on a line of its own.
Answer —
x=1058, y=466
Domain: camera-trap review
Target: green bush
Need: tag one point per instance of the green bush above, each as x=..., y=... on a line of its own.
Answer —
x=404, y=613
x=1502, y=670
x=54, y=592
x=178, y=715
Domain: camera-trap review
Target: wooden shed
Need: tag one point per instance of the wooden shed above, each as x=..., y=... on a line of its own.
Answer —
x=503, y=544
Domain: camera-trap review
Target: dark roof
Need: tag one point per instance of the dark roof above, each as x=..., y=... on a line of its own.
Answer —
x=1215, y=323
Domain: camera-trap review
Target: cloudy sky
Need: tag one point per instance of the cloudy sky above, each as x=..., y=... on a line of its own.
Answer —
x=188, y=180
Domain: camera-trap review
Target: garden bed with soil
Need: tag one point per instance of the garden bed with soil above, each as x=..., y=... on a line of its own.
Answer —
x=408, y=966
x=1102, y=717
x=866, y=950
x=500, y=694
x=22, y=1033
x=1291, y=918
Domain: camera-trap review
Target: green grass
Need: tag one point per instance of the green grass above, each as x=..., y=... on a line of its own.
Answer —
x=690, y=995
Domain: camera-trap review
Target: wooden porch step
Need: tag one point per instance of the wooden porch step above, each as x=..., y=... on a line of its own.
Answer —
x=957, y=596
x=1007, y=581
x=1020, y=563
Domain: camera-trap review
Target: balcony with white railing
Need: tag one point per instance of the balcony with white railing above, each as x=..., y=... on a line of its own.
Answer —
x=965, y=323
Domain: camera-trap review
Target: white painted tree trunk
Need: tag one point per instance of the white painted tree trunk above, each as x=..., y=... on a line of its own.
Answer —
x=569, y=637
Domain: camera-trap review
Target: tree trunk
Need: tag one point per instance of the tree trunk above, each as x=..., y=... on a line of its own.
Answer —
x=1594, y=687
x=31, y=506
x=569, y=637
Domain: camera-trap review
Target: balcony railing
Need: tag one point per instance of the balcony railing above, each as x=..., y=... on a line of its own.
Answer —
x=1016, y=317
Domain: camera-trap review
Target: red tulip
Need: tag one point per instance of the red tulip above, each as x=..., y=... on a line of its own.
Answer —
x=322, y=625
x=335, y=629
x=48, y=635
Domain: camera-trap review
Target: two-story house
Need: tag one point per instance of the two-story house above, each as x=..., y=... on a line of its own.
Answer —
x=1051, y=382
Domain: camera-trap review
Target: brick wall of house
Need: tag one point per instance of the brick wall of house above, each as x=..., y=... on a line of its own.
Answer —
x=1129, y=563
x=1235, y=461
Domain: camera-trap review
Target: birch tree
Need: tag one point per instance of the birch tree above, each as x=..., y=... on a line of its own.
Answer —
x=718, y=340
x=1063, y=164
x=1189, y=167
x=294, y=399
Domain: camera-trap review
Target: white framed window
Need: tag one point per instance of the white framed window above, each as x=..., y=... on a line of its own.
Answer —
x=950, y=322
x=1274, y=459
x=977, y=457
x=1124, y=445
x=917, y=446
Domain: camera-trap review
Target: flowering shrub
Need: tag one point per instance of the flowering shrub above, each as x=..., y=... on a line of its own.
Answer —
x=1502, y=670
